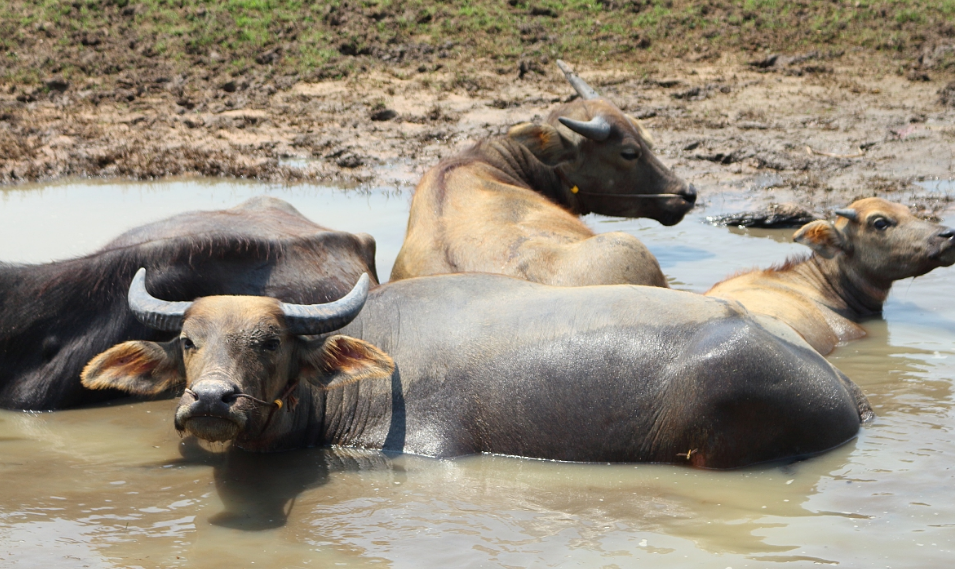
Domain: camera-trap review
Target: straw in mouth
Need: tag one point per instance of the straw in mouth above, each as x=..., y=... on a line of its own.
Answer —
x=631, y=196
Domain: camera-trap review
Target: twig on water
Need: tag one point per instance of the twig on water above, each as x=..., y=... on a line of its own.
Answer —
x=810, y=151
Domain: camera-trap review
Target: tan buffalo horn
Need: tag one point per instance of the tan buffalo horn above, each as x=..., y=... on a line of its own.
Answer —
x=151, y=311
x=321, y=318
x=583, y=89
x=596, y=128
x=848, y=213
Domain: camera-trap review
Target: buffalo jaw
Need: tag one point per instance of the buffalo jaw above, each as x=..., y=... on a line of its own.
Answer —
x=676, y=208
x=667, y=211
x=944, y=256
x=668, y=207
x=210, y=411
x=208, y=428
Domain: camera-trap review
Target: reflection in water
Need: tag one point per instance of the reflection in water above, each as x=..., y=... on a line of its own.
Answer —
x=497, y=510
x=116, y=487
x=676, y=254
x=496, y=500
x=911, y=315
x=778, y=235
x=258, y=491
x=34, y=548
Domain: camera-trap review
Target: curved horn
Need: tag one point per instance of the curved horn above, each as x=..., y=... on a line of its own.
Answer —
x=848, y=213
x=583, y=89
x=321, y=318
x=151, y=311
x=596, y=128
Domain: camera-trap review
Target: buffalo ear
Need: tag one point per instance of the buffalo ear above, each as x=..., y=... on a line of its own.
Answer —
x=822, y=237
x=139, y=368
x=544, y=141
x=339, y=360
x=644, y=133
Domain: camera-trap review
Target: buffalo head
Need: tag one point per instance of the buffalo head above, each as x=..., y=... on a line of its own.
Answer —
x=240, y=360
x=877, y=242
x=606, y=159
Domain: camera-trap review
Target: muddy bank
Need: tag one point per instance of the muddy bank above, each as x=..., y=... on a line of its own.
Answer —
x=815, y=128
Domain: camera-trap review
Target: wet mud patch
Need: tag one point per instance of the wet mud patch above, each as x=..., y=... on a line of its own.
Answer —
x=374, y=93
x=824, y=141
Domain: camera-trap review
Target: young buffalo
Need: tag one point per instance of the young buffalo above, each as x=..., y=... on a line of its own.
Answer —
x=509, y=205
x=486, y=363
x=848, y=276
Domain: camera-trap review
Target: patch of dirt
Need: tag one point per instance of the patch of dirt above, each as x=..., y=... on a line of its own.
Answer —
x=119, y=93
x=824, y=138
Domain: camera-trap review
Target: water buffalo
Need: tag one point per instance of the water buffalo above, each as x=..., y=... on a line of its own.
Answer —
x=459, y=364
x=509, y=205
x=54, y=317
x=849, y=273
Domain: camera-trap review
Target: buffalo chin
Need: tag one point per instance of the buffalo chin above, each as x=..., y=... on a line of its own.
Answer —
x=945, y=257
x=672, y=210
x=212, y=429
x=672, y=217
x=670, y=220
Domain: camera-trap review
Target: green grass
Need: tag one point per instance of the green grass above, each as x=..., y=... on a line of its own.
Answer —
x=311, y=33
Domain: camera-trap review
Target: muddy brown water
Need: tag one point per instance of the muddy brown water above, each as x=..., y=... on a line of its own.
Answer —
x=115, y=486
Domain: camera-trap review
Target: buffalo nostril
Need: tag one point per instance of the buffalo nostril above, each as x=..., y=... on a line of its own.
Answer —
x=689, y=194
x=947, y=233
x=213, y=392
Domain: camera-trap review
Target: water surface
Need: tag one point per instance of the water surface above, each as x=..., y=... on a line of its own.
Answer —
x=116, y=487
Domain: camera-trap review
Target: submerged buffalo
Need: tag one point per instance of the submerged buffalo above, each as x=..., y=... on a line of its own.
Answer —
x=54, y=317
x=509, y=205
x=849, y=273
x=459, y=364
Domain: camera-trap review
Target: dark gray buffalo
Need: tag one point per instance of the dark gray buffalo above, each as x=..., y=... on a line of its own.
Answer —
x=54, y=317
x=459, y=364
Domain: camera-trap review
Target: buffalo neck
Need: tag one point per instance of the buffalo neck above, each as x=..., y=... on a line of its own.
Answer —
x=297, y=424
x=840, y=288
x=356, y=413
x=521, y=165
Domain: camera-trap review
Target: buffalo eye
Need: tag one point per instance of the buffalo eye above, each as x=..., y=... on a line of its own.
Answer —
x=271, y=345
x=630, y=153
x=881, y=223
x=187, y=344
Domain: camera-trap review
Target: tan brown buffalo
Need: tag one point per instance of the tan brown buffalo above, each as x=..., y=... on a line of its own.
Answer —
x=509, y=205
x=847, y=278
